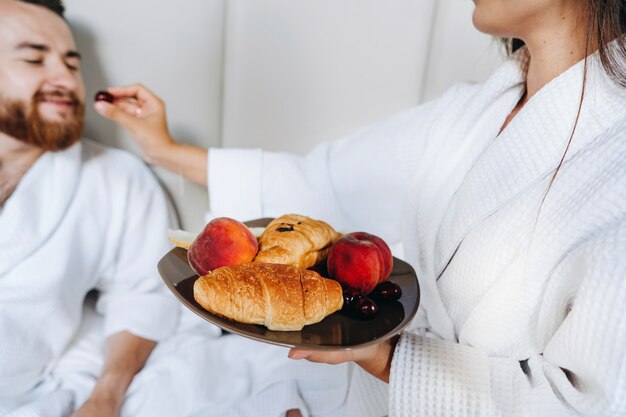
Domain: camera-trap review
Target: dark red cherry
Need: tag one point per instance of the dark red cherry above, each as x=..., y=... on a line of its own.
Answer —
x=366, y=308
x=350, y=297
x=104, y=96
x=387, y=291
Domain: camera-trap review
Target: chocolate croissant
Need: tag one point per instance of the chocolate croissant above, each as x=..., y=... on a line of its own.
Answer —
x=280, y=297
x=296, y=240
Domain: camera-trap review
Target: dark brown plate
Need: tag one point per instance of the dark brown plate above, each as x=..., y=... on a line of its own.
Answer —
x=339, y=331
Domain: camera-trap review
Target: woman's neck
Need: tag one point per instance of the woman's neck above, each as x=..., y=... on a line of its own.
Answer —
x=16, y=158
x=554, y=47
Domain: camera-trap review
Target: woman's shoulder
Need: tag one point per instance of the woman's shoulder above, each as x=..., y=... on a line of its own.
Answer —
x=462, y=92
x=610, y=145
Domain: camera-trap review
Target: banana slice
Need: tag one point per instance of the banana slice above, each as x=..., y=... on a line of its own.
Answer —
x=257, y=231
x=183, y=239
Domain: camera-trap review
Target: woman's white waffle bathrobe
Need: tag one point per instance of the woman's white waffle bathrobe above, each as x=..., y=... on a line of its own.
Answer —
x=524, y=310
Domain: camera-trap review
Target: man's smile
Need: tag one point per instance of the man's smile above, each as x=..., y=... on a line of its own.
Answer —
x=58, y=102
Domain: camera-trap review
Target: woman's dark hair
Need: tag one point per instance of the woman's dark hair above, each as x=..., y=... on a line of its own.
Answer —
x=606, y=22
x=55, y=6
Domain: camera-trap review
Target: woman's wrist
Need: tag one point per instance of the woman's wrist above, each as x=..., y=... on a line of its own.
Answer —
x=188, y=161
x=378, y=363
x=166, y=154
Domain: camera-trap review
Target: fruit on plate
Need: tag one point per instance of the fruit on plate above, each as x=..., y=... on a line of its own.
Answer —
x=359, y=306
x=386, y=291
x=359, y=261
x=223, y=242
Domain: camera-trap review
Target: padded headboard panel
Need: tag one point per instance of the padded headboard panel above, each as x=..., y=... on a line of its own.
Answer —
x=277, y=74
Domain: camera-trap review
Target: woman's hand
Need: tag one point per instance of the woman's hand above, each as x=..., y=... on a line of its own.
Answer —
x=375, y=359
x=143, y=114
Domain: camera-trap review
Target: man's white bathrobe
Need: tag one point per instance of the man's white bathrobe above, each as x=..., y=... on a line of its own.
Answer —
x=95, y=218
x=77, y=221
x=523, y=305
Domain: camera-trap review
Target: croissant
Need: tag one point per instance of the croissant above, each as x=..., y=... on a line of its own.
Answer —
x=296, y=240
x=281, y=297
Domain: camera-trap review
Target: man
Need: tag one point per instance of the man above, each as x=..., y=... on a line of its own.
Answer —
x=74, y=217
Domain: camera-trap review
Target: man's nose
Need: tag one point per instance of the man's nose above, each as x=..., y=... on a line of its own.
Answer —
x=60, y=75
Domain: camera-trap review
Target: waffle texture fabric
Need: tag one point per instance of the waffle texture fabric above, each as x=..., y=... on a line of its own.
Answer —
x=81, y=219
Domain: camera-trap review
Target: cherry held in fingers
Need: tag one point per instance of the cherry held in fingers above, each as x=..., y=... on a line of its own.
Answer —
x=104, y=96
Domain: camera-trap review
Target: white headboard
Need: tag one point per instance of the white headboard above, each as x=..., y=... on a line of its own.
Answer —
x=277, y=74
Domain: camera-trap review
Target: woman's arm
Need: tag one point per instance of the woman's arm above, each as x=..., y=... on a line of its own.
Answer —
x=143, y=114
x=186, y=160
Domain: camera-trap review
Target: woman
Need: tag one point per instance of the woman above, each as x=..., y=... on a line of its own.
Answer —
x=513, y=214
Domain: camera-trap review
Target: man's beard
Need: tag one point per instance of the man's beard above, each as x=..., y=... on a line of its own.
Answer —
x=27, y=125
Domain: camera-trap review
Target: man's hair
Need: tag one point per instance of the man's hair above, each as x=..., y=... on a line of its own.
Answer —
x=55, y=6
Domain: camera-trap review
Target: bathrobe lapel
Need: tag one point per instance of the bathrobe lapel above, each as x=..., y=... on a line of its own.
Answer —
x=528, y=151
x=455, y=140
x=37, y=205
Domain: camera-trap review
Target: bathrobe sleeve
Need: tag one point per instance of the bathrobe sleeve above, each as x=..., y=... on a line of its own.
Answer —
x=132, y=296
x=581, y=369
x=357, y=182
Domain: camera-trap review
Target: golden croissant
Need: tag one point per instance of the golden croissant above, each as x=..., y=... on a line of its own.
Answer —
x=280, y=297
x=296, y=240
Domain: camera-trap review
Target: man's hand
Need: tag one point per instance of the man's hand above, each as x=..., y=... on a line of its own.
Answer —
x=125, y=356
x=375, y=359
x=99, y=407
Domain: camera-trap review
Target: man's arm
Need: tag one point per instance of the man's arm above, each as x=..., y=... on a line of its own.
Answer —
x=125, y=356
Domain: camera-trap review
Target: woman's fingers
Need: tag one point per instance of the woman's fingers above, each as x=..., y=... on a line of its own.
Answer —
x=122, y=114
x=133, y=99
x=332, y=357
x=130, y=103
x=136, y=91
x=130, y=108
x=375, y=359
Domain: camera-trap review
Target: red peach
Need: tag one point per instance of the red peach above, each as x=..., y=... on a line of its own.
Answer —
x=224, y=241
x=360, y=261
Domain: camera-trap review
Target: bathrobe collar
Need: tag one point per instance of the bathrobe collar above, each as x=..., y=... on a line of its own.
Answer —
x=531, y=146
x=38, y=205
